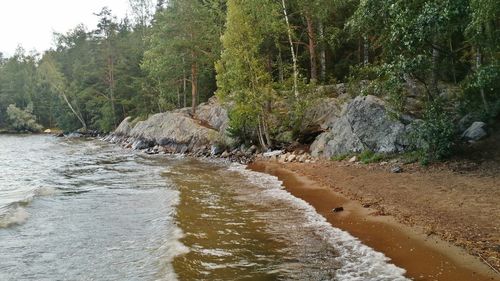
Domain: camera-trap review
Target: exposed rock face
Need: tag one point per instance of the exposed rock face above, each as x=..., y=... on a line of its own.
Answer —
x=124, y=128
x=213, y=114
x=321, y=115
x=363, y=124
x=475, y=132
x=175, y=132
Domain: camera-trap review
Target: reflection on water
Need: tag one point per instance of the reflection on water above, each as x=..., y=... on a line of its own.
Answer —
x=87, y=210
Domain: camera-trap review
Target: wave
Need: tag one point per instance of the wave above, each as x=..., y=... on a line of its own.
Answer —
x=358, y=261
x=14, y=213
x=13, y=216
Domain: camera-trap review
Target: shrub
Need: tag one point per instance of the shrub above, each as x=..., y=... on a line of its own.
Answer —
x=23, y=120
x=433, y=136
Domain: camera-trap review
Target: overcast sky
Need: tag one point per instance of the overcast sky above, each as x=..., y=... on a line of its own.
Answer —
x=32, y=22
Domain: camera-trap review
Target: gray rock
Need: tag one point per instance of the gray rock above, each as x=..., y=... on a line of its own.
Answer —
x=215, y=150
x=476, y=131
x=124, y=128
x=364, y=124
x=213, y=114
x=273, y=153
x=396, y=170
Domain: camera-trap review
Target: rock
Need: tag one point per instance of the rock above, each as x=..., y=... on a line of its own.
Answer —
x=365, y=124
x=475, y=132
x=173, y=129
x=338, y=209
x=225, y=154
x=141, y=144
x=353, y=159
x=396, y=170
x=74, y=135
x=252, y=149
x=283, y=158
x=48, y=131
x=273, y=153
x=291, y=158
x=465, y=122
x=124, y=128
x=303, y=158
x=215, y=150
x=320, y=115
x=213, y=115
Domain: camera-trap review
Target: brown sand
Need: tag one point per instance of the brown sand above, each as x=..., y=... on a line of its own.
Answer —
x=424, y=208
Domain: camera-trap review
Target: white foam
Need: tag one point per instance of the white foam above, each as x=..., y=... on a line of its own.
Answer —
x=358, y=261
x=16, y=215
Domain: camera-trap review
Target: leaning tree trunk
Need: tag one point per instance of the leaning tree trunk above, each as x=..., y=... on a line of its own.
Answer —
x=294, y=57
x=77, y=114
x=312, y=47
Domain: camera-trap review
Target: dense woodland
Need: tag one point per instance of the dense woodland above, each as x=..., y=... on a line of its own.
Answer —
x=265, y=59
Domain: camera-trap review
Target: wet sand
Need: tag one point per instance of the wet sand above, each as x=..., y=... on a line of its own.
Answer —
x=423, y=257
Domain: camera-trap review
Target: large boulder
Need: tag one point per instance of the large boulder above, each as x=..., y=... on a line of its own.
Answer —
x=321, y=115
x=173, y=129
x=365, y=124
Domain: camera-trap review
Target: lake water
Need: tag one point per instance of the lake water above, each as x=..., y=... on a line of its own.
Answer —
x=73, y=209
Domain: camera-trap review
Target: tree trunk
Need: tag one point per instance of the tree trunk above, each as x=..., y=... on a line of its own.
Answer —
x=479, y=61
x=77, y=114
x=194, y=85
x=184, y=83
x=322, y=52
x=434, y=72
x=294, y=57
x=366, y=51
x=312, y=48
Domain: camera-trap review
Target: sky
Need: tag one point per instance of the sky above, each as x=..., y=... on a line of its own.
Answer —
x=31, y=23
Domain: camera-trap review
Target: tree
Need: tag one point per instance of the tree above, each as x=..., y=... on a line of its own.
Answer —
x=184, y=39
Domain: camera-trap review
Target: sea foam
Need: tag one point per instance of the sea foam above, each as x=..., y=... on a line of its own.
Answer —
x=358, y=261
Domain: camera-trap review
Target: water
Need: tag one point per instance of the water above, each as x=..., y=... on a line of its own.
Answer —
x=74, y=209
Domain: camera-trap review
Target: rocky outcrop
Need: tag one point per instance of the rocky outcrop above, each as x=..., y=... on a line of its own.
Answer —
x=213, y=114
x=176, y=131
x=365, y=124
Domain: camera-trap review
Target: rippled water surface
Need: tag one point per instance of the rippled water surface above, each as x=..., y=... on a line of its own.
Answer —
x=74, y=209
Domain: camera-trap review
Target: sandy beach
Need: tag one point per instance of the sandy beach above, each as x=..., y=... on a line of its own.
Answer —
x=435, y=224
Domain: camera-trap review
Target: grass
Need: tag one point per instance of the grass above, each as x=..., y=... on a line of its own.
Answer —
x=368, y=156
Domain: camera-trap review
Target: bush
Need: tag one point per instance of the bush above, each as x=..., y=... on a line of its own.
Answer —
x=433, y=136
x=23, y=120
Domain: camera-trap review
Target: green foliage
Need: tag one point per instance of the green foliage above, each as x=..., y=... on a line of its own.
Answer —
x=433, y=137
x=23, y=119
x=341, y=157
x=368, y=156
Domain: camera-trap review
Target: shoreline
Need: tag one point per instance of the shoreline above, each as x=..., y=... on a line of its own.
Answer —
x=424, y=257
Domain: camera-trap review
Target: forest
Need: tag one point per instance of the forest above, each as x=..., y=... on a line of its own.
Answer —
x=265, y=60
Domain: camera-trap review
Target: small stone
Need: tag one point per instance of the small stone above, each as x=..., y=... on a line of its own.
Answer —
x=225, y=154
x=353, y=159
x=283, y=158
x=291, y=158
x=396, y=170
x=338, y=209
